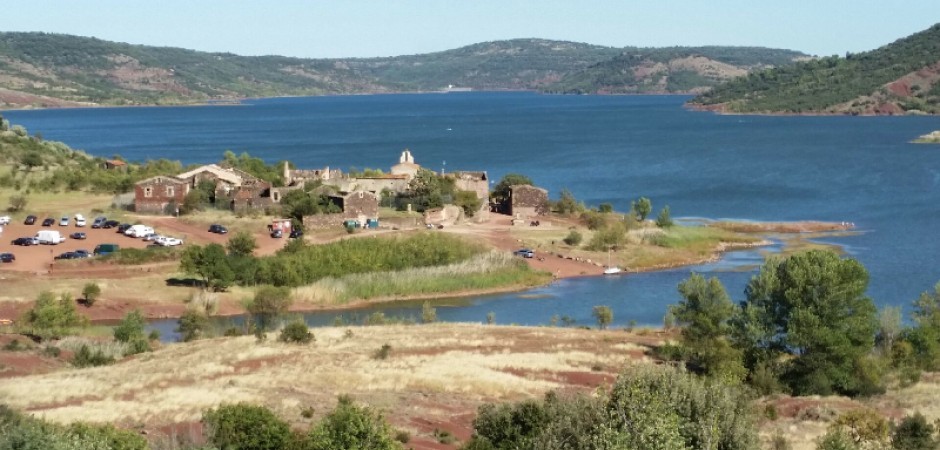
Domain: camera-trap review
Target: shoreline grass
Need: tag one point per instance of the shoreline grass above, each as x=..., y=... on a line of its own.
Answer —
x=486, y=271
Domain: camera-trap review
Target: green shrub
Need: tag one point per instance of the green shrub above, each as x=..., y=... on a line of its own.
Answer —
x=243, y=426
x=296, y=332
x=428, y=313
x=51, y=318
x=90, y=293
x=604, y=316
x=573, y=238
x=351, y=427
x=444, y=436
x=138, y=256
x=193, y=325
x=402, y=436
x=52, y=351
x=85, y=357
x=131, y=331
x=15, y=346
x=914, y=433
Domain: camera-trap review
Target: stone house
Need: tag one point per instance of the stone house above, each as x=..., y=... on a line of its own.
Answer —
x=527, y=202
x=159, y=195
x=360, y=206
x=476, y=182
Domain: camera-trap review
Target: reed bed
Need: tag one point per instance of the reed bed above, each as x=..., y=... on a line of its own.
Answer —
x=484, y=271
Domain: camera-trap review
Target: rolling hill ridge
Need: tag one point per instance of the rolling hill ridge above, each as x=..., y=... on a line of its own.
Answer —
x=899, y=78
x=48, y=70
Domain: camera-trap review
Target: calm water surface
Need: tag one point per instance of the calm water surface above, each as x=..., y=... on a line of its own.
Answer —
x=603, y=149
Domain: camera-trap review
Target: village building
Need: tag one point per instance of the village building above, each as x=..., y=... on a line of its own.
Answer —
x=297, y=177
x=527, y=202
x=406, y=166
x=159, y=195
x=360, y=207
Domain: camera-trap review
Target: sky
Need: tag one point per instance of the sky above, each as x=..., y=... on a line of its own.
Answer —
x=367, y=28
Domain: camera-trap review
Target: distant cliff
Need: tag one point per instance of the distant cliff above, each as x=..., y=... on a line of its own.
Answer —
x=900, y=78
x=47, y=70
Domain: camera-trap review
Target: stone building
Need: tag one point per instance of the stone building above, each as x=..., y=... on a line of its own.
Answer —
x=527, y=202
x=159, y=195
x=473, y=181
x=360, y=206
x=295, y=177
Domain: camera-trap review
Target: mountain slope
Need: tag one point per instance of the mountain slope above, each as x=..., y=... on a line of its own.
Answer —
x=901, y=77
x=671, y=70
x=40, y=69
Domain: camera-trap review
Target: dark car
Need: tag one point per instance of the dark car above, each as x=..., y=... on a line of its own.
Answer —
x=123, y=227
x=77, y=235
x=99, y=222
x=82, y=253
x=524, y=252
x=110, y=224
x=48, y=222
x=218, y=229
x=7, y=257
x=67, y=255
x=277, y=234
x=296, y=233
x=30, y=220
x=26, y=241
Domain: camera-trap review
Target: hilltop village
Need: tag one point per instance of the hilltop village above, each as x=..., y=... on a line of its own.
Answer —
x=355, y=197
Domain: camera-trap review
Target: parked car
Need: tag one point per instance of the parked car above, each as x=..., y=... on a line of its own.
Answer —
x=123, y=227
x=64, y=221
x=104, y=249
x=296, y=233
x=110, y=224
x=138, y=231
x=277, y=234
x=83, y=253
x=79, y=220
x=26, y=241
x=7, y=257
x=67, y=255
x=30, y=220
x=48, y=222
x=99, y=222
x=4, y=220
x=218, y=229
x=77, y=235
x=524, y=252
x=168, y=241
x=151, y=237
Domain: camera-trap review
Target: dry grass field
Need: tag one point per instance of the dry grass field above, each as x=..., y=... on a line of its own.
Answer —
x=434, y=376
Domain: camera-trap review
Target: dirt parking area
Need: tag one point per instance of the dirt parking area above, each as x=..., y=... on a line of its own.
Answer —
x=40, y=259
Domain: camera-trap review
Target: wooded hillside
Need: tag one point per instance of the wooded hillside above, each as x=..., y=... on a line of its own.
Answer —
x=901, y=77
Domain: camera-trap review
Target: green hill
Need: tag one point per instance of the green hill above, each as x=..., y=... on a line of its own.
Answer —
x=671, y=70
x=902, y=77
x=40, y=69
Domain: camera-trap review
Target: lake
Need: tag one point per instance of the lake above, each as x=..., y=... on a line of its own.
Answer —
x=603, y=149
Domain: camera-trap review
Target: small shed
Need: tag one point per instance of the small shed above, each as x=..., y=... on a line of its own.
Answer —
x=527, y=202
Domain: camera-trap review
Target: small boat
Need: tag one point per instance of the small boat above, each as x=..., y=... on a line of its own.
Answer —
x=610, y=270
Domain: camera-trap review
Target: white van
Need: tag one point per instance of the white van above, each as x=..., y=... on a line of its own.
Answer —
x=50, y=237
x=138, y=231
x=79, y=220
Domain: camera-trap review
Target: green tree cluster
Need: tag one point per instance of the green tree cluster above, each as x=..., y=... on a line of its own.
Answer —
x=648, y=407
x=131, y=330
x=51, y=317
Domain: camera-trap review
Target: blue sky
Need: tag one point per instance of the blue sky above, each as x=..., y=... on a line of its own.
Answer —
x=359, y=28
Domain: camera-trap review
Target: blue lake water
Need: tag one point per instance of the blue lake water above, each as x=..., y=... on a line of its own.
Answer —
x=602, y=148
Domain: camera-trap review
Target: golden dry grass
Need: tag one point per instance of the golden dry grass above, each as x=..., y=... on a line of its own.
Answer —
x=460, y=362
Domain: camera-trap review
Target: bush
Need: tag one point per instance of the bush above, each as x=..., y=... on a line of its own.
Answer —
x=296, y=332
x=351, y=427
x=192, y=325
x=573, y=238
x=17, y=203
x=131, y=331
x=428, y=313
x=604, y=316
x=52, y=318
x=664, y=219
x=914, y=433
x=85, y=357
x=246, y=427
x=90, y=293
